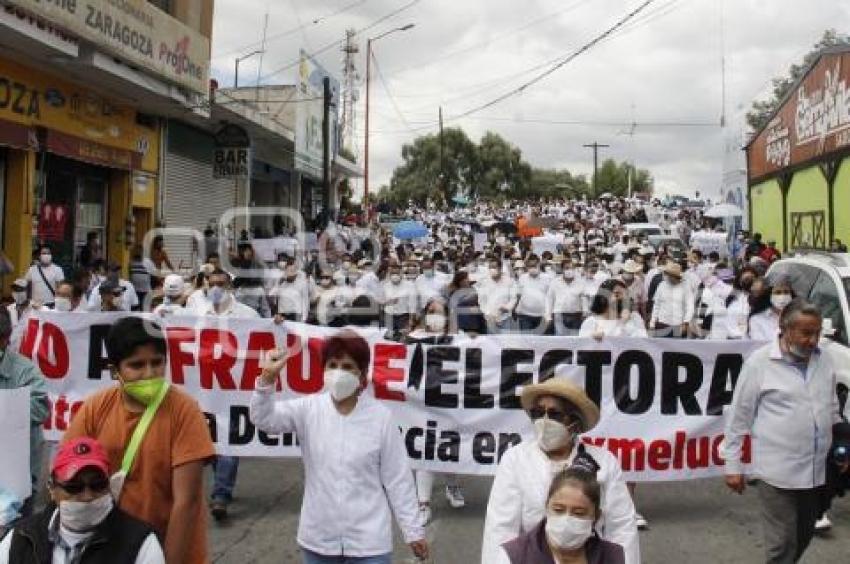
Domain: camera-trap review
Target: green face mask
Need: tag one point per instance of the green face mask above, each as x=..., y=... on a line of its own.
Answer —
x=144, y=391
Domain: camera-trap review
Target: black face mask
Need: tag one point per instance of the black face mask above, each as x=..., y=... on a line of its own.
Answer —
x=747, y=284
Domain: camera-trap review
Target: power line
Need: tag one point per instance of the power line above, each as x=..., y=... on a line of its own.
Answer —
x=389, y=94
x=293, y=30
x=585, y=48
x=339, y=42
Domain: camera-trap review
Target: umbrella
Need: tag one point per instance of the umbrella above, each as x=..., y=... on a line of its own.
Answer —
x=724, y=210
x=503, y=226
x=461, y=200
x=606, y=196
x=410, y=230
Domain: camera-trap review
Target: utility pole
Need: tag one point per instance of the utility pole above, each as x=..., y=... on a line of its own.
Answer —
x=350, y=78
x=443, y=184
x=326, y=149
x=596, y=146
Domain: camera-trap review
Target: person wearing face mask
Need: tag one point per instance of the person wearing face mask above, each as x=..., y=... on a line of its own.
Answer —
x=738, y=304
x=611, y=314
x=174, y=296
x=430, y=284
x=632, y=277
x=785, y=401
x=164, y=486
x=531, y=304
x=43, y=278
x=399, y=301
x=764, y=318
x=129, y=298
x=673, y=304
x=564, y=301
x=111, y=296
x=81, y=524
x=346, y=508
x=20, y=308
x=560, y=412
x=291, y=295
x=497, y=296
x=573, y=507
x=330, y=299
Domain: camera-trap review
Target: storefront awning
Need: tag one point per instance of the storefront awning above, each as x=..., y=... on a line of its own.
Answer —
x=16, y=135
x=91, y=152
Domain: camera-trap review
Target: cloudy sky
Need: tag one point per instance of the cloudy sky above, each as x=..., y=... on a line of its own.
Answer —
x=661, y=71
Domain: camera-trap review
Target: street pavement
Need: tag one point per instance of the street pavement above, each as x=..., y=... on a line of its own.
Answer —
x=691, y=522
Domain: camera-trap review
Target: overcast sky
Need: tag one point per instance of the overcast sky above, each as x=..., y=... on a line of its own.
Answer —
x=663, y=68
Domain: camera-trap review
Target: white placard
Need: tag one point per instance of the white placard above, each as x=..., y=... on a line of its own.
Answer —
x=15, y=438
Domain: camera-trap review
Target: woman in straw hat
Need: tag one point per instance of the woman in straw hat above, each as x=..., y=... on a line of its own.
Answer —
x=560, y=412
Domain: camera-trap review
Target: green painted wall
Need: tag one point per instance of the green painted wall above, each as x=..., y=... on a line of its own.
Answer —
x=767, y=210
x=808, y=192
x=842, y=202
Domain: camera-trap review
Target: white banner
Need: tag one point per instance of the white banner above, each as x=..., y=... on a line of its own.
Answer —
x=457, y=405
x=15, y=438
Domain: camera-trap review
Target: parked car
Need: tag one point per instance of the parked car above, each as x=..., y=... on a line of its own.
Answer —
x=824, y=279
x=643, y=229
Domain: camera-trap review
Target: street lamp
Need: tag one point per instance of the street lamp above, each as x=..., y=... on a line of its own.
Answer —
x=368, y=82
x=240, y=59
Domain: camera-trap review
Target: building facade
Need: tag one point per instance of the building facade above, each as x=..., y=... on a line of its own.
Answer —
x=798, y=165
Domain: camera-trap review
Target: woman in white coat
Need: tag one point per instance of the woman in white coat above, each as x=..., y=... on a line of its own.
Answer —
x=355, y=465
x=560, y=412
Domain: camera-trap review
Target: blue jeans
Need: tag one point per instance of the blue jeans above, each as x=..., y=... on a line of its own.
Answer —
x=313, y=558
x=225, y=468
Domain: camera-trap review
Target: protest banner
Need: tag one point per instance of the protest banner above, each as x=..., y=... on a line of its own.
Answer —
x=457, y=406
x=15, y=438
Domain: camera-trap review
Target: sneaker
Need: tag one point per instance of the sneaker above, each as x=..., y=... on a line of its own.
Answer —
x=642, y=523
x=455, y=496
x=424, y=513
x=218, y=509
x=823, y=524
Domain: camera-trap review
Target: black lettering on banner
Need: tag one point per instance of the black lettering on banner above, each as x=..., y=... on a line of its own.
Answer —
x=674, y=390
x=512, y=378
x=241, y=431
x=484, y=448
x=414, y=378
x=410, y=442
x=551, y=361
x=593, y=361
x=449, y=447
x=506, y=441
x=622, y=382
x=212, y=425
x=430, y=440
x=97, y=361
x=268, y=440
x=472, y=396
x=436, y=376
x=727, y=368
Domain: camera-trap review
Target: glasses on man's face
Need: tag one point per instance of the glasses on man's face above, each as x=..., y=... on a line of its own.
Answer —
x=552, y=414
x=76, y=487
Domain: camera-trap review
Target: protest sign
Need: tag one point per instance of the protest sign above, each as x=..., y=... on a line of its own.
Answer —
x=457, y=406
x=15, y=438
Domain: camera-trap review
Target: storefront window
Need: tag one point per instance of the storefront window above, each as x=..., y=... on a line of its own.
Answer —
x=91, y=214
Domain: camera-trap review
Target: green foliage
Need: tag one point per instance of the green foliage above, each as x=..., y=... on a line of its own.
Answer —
x=761, y=110
x=614, y=178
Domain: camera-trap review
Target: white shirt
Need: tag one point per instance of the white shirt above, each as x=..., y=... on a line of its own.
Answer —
x=399, y=298
x=197, y=301
x=493, y=296
x=673, y=304
x=631, y=327
x=149, y=553
x=331, y=301
x=565, y=297
x=518, y=499
x=764, y=326
x=232, y=308
x=737, y=317
x=129, y=299
x=169, y=309
x=41, y=293
x=789, y=414
x=369, y=284
x=430, y=287
x=355, y=469
x=532, y=295
x=293, y=297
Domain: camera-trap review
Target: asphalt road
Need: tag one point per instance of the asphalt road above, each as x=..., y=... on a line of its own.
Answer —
x=690, y=522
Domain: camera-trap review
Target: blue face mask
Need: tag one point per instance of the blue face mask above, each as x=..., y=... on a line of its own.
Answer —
x=216, y=295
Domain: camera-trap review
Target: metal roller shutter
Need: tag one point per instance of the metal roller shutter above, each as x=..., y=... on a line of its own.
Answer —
x=193, y=198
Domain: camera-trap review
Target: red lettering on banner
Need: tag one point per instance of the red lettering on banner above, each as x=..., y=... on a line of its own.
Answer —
x=28, y=342
x=52, y=339
x=382, y=373
x=218, y=365
x=258, y=343
x=659, y=455
x=57, y=413
x=315, y=380
x=695, y=452
x=177, y=357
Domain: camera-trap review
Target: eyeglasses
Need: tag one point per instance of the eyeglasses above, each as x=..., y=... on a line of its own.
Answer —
x=553, y=414
x=76, y=487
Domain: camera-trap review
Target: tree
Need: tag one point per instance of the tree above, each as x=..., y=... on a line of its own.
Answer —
x=614, y=178
x=551, y=183
x=762, y=110
x=502, y=172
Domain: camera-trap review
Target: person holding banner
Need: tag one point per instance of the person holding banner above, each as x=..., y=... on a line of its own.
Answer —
x=355, y=465
x=156, y=434
x=573, y=508
x=560, y=412
x=611, y=313
x=785, y=400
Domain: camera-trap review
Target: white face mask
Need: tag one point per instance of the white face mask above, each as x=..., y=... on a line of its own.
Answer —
x=81, y=516
x=341, y=383
x=551, y=435
x=19, y=297
x=568, y=532
x=495, y=273
x=780, y=301
x=435, y=322
x=62, y=304
x=395, y=278
x=46, y=259
x=533, y=271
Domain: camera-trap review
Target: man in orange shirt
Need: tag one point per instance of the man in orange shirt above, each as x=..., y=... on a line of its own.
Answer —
x=164, y=486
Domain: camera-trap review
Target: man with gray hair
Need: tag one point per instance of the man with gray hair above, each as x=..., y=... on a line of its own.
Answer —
x=16, y=371
x=786, y=400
